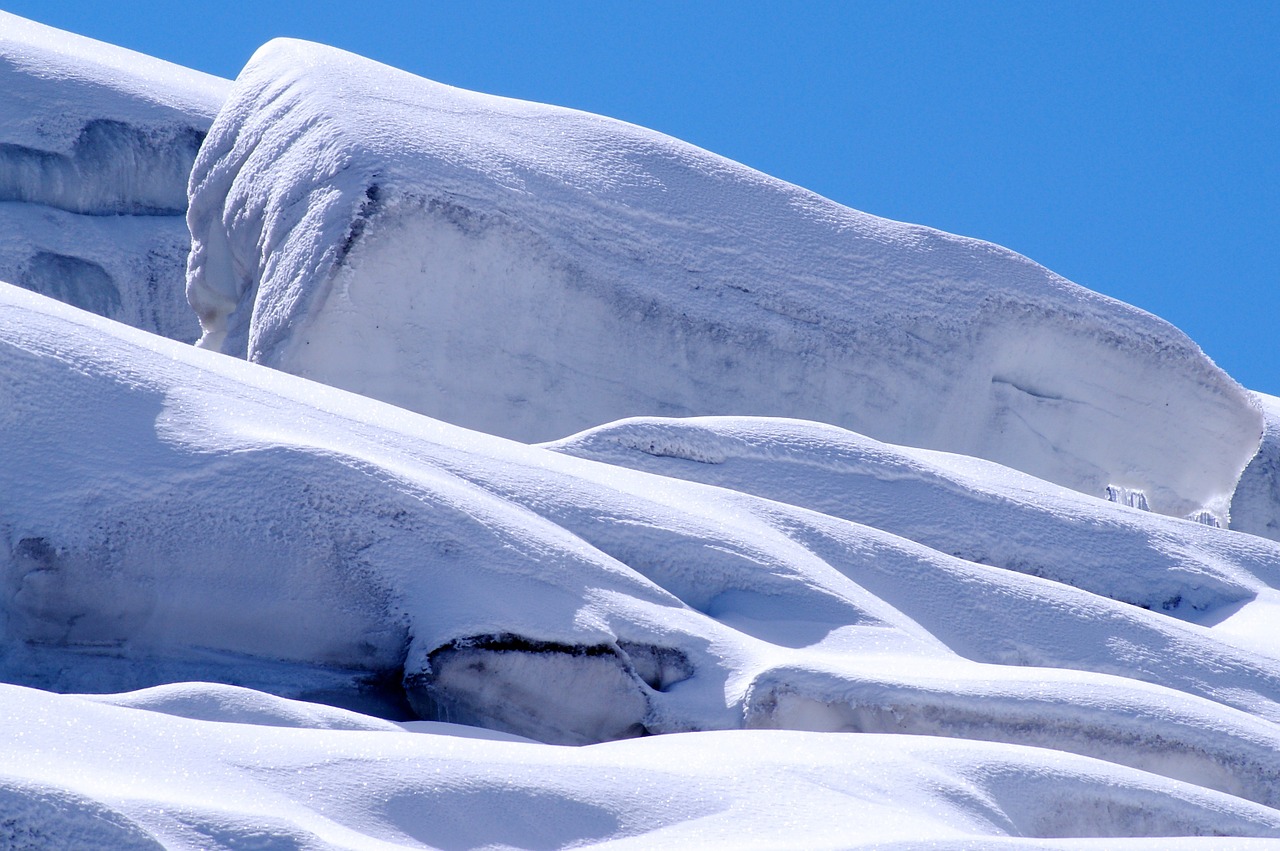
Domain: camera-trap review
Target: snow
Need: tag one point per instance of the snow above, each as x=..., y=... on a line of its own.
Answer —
x=1255, y=506
x=196, y=784
x=248, y=528
x=532, y=271
x=243, y=608
x=963, y=506
x=96, y=146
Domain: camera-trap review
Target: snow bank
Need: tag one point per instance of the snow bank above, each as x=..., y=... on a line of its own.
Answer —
x=96, y=147
x=532, y=271
x=1255, y=506
x=170, y=515
x=963, y=506
x=180, y=783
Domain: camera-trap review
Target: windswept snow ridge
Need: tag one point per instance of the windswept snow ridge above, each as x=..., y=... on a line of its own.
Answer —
x=963, y=506
x=96, y=148
x=531, y=271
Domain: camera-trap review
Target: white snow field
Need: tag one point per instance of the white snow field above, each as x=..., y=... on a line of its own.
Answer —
x=96, y=146
x=173, y=515
x=532, y=271
x=244, y=608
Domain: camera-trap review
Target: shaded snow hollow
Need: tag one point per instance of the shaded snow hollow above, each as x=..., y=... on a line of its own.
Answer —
x=532, y=271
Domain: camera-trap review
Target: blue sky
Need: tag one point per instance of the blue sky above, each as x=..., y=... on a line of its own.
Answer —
x=1132, y=147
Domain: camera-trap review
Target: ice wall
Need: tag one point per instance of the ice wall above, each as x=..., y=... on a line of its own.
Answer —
x=96, y=147
x=1255, y=507
x=531, y=271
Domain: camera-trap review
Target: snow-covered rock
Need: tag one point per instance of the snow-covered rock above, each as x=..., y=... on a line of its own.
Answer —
x=96, y=147
x=532, y=271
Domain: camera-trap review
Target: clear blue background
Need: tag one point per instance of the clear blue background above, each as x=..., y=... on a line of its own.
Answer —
x=1131, y=147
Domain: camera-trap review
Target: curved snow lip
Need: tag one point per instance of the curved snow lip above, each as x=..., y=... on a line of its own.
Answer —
x=531, y=271
x=238, y=705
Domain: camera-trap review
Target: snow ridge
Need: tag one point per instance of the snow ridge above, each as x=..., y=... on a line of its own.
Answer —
x=533, y=271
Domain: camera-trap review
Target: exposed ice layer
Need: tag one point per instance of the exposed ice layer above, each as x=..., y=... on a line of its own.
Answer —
x=89, y=127
x=531, y=271
x=126, y=268
x=96, y=147
x=167, y=514
x=180, y=783
x=963, y=506
x=1255, y=506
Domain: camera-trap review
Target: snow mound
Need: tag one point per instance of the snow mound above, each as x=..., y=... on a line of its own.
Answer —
x=532, y=271
x=967, y=507
x=96, y=147
x=1255, y=506
x=235, y=705
x=171, y=515
x=179, y=783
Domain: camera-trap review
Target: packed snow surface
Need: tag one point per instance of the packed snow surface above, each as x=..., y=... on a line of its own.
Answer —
x=172, y=515
x=532, y=271
x=96, y=147
x=244, y=609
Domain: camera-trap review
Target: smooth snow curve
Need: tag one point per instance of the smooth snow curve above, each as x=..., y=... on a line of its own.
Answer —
x=179, y=783
x=171, y=514
x=96, y=147
x=532, y=271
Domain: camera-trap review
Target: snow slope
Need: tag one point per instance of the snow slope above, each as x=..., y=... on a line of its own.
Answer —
x=173, y=515
x=96, y=147
x=532, y=271
x=269, y=604
x=179, y=783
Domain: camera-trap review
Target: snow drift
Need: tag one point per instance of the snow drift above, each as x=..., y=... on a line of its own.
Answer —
x=224, y=782
x=96, y=147
x=533, y=271
x=172, y=515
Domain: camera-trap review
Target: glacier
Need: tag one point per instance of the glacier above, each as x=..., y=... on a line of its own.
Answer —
x=96, y=147
x=1255, y=505
x=532, y=271
x=249, y=527
x=894, y=586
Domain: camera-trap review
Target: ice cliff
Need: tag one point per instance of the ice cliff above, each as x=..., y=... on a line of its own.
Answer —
x=96, y=147
x=532, y=271
x=1255, y=506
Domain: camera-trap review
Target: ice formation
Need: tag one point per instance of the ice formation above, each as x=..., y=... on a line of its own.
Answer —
x=96, y=147
x=249, y=527
x=1255, y=506
x=532, y=271
x=269, y=603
